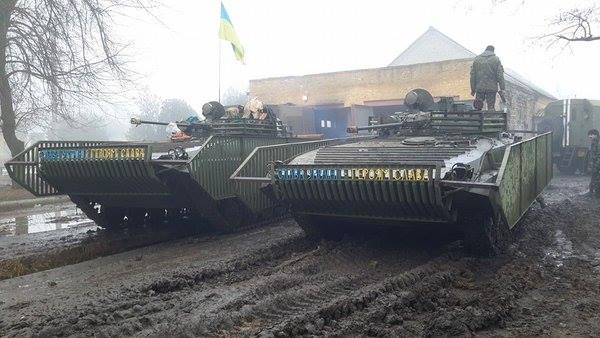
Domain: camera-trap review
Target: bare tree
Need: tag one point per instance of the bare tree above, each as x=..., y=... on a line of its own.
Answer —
x=149, y=106
x=152, y=109
x=579, y=24
x=234, y=96
x=91, y=130
x=175, y=110
x=56, y=55
x=576, y=25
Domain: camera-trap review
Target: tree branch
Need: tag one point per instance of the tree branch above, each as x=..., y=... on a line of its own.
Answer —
x=587, y=38
x=60, y=55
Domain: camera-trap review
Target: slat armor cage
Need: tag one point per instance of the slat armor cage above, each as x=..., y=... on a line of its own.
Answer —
x=525, y=170
x=126, y=175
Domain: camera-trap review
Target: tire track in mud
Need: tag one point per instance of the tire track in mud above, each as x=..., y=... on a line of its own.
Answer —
x=313, y=285
x=69, y=250
x=276, y=307
x=355, y=312
x=93, y=245
x=350, y=299
x=290, y=286
x=281, y=284
x=138, y=306
x=452, y=295
x=193, y=276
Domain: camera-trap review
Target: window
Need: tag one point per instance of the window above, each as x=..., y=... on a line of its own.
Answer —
x=326, y=124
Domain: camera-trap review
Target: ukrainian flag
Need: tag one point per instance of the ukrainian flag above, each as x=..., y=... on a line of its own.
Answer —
x=226, y=32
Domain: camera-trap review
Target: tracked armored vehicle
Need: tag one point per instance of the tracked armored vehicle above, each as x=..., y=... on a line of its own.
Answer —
x=120, y=184
x=435, y=163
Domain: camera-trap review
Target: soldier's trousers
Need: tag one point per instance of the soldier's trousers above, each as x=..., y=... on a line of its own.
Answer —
x=489, y=97
x=595, y=182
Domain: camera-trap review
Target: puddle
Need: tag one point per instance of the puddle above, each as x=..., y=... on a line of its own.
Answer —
x=562, y=251
x=44, y=221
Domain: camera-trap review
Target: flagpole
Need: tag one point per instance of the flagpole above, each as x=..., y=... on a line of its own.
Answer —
x=219, y=69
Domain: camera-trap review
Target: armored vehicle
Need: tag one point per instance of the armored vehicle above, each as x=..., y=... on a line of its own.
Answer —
x=570, y=120
x=435, y=163
x=130, y=183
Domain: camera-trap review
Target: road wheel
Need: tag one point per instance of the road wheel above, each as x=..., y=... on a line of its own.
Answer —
x=485, y=234
x=156, y=216
x=174, y=215
x=235, y=213
x=318, y=228
x=86, y=206
x=111, y=218
x=136, y=217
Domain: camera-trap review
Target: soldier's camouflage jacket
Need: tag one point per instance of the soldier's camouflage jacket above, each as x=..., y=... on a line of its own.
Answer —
x=487, y=73
x=595, y=158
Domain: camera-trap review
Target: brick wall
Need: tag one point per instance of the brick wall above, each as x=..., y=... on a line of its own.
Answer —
x=358, y=86
x=447, y=78
x=524, y=105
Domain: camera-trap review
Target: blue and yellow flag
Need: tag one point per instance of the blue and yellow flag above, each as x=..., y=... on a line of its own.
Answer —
x=226, y=32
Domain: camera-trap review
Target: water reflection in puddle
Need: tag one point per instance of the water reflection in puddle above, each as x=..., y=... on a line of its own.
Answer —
x=563, y=249
x=45, y=221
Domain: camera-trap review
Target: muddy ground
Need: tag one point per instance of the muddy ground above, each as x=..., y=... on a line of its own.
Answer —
x=9, y=194
x=50, y=236
x=272, y=281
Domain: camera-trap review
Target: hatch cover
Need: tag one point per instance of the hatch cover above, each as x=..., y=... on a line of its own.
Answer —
x=417, y=141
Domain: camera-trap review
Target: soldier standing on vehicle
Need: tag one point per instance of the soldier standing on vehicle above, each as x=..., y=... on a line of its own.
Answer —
x=594, y=162
x=487, y=77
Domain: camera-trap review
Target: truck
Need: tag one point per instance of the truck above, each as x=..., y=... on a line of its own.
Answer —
x=569, y=121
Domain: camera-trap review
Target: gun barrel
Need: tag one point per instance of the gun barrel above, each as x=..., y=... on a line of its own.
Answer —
x=375, y=127
x=137, y=121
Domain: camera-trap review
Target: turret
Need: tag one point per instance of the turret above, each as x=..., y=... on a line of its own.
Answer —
x=425, y=116
x=251, y=119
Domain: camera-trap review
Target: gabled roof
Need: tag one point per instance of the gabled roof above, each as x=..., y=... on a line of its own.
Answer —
x=514, y=77
x=435, y=46
x=432, y=46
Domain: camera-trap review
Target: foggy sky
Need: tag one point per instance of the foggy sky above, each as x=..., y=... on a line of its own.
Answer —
x=179, y=57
